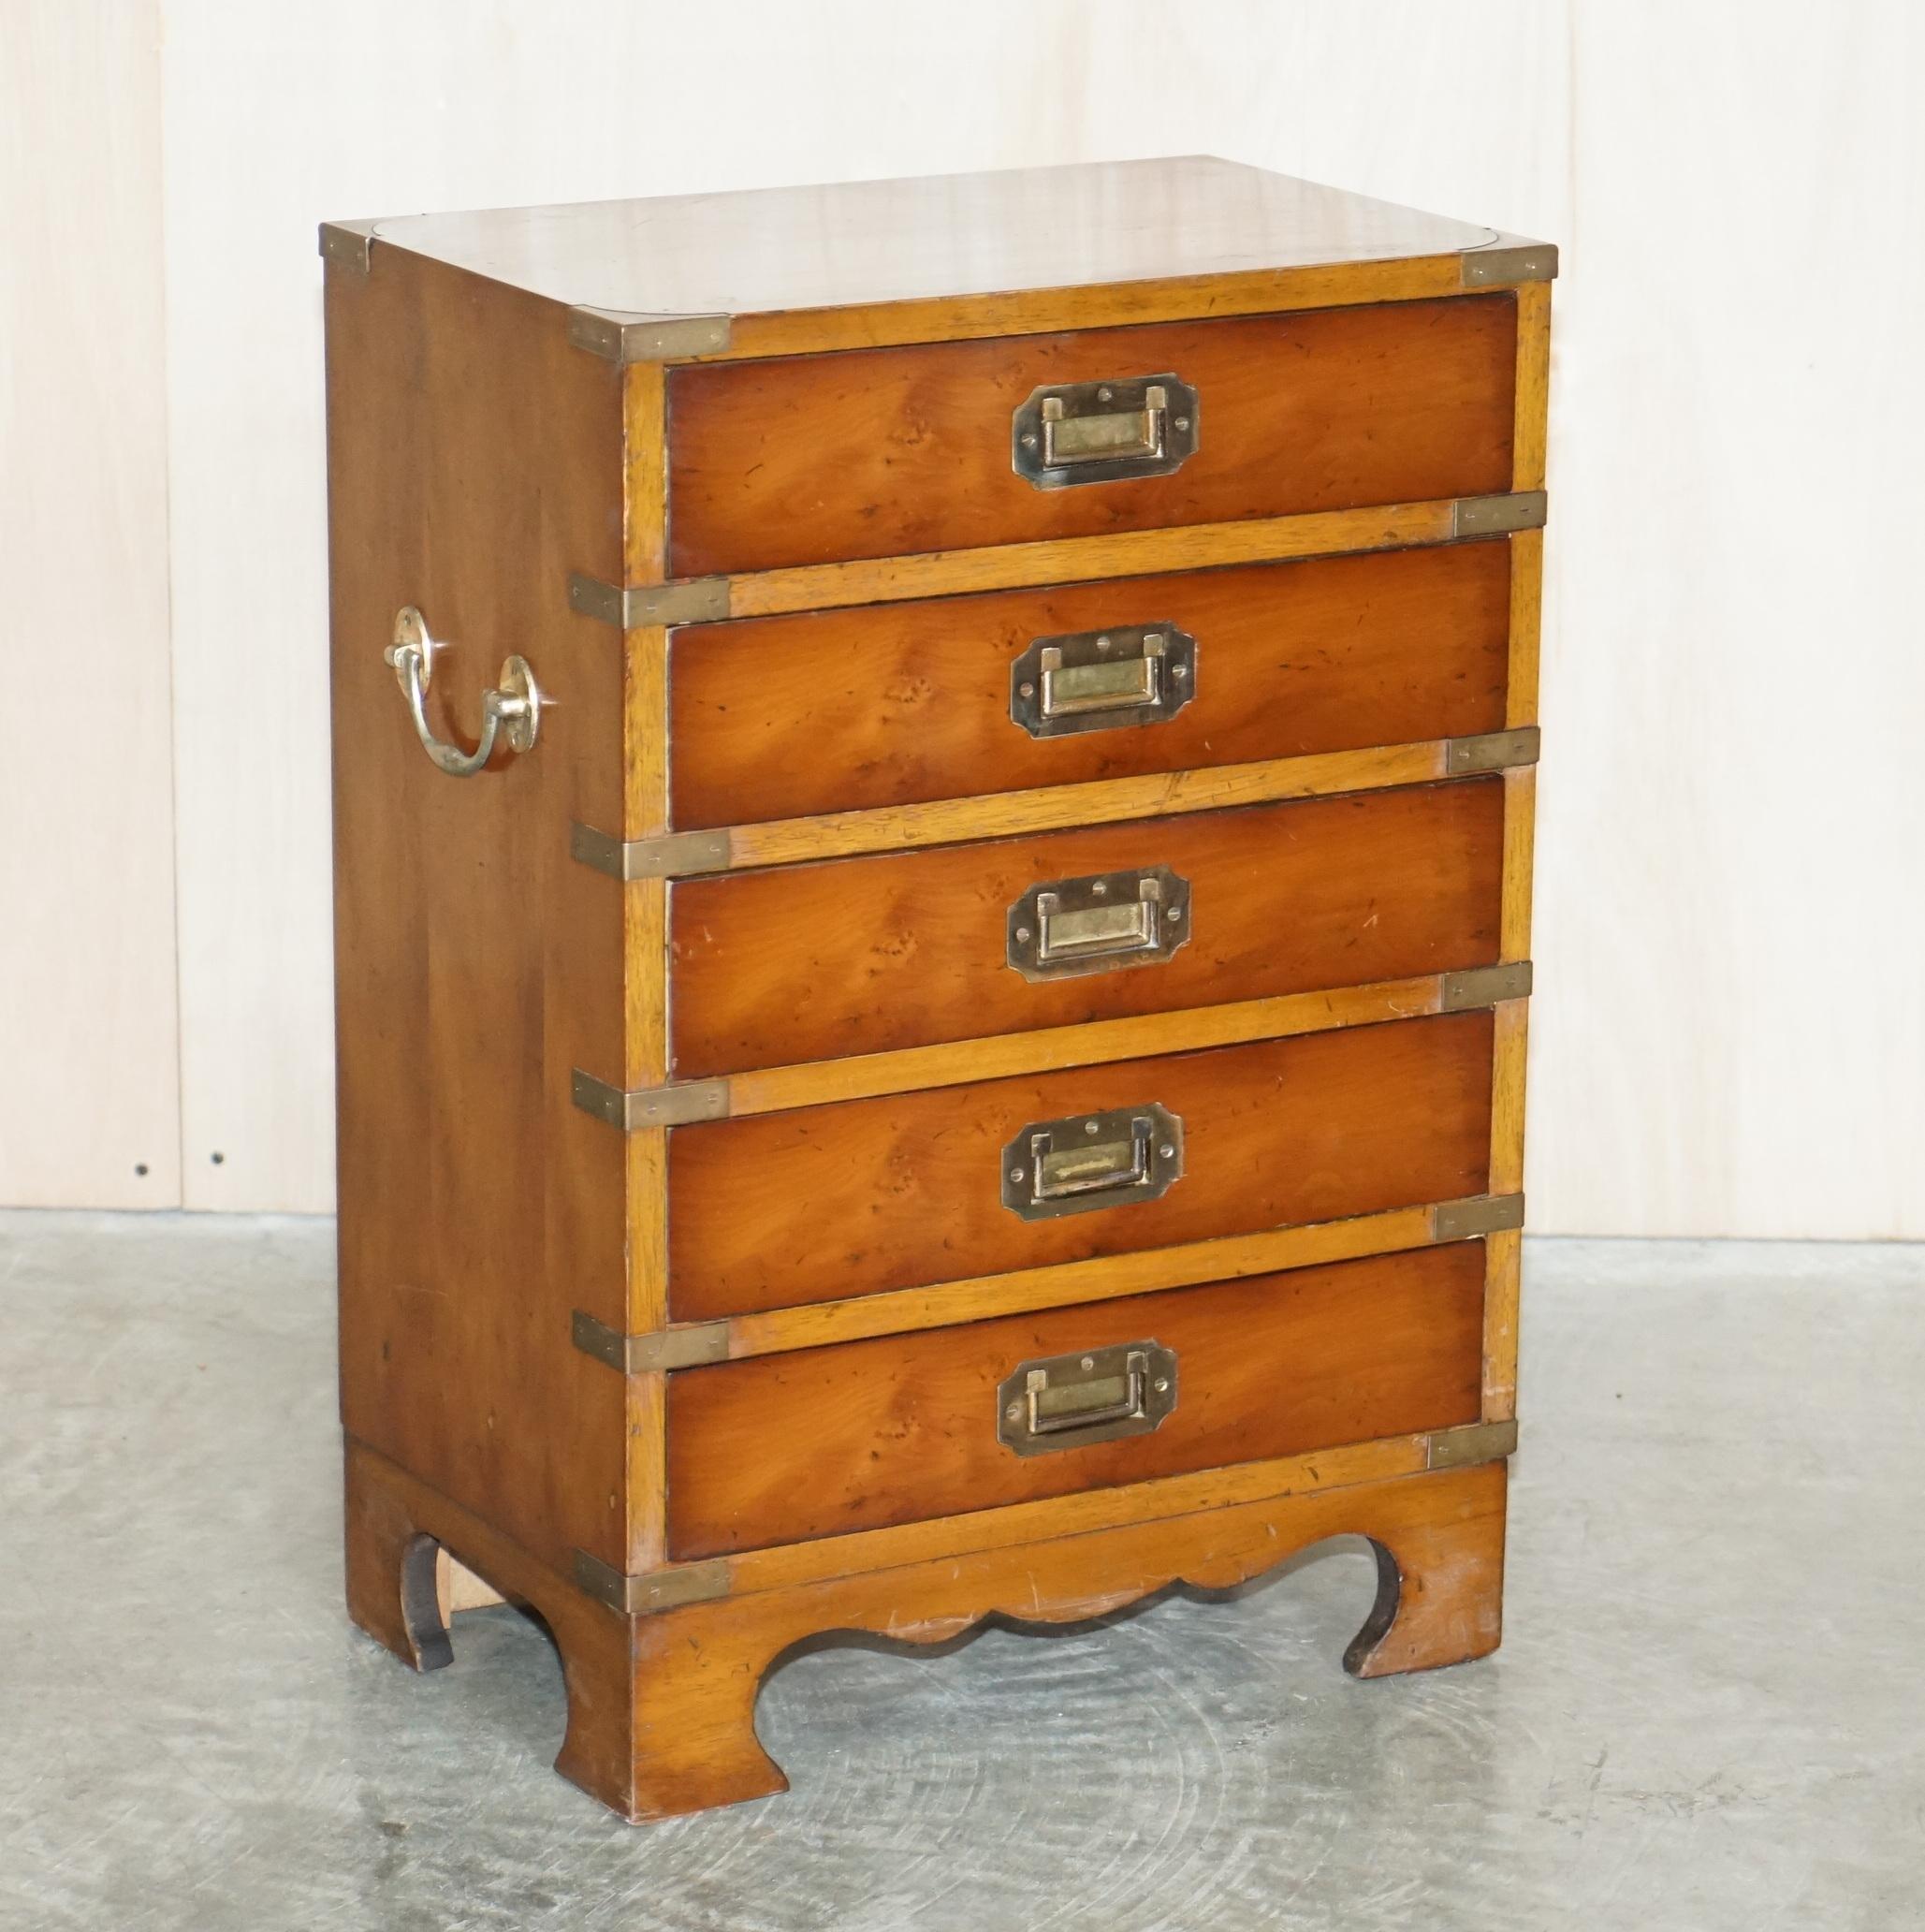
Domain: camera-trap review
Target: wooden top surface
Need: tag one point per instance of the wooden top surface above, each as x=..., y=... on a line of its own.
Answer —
x=863, y=243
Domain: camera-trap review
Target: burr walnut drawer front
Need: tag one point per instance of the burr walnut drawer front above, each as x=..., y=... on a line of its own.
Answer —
x=898, y=703
x=952, y=1183
x=852, y=956
x=783, y=1448
x=958, y=446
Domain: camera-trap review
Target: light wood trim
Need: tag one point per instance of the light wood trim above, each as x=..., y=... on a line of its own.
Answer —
x=457, y=1588
x=645, y=947
x=771, y=1089
x=1503, y=1251
x=1101, y=801
x=1103, y=1279
x=1043, y=310
x=1526, y=610
x=1071, y=1516
x=1130, y=553
x=1530, y=427
x=644, y=471
x=1520, y=837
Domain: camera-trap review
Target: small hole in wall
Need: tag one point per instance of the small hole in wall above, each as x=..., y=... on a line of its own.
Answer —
x=141, y=1168
x=217, y=1159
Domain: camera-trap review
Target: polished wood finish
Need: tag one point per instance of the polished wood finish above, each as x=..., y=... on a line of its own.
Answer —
x=1009, y=253
x=892, y=705
x=826, y=459
x=830, y=1202
x=661, y=1708
x=474, y=458
x=844, y=984
x=784, y=1448
x=870, y=955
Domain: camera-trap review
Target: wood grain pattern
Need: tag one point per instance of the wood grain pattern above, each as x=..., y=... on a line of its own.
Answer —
x=885, y=452
x=903, y=1191
x=859, y=1078
x=784, y=1448
x=911, y=950
x=473, y=456
x=791, y=717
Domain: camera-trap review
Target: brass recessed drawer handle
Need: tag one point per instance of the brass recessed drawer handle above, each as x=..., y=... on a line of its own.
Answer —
x=1103, y=432
x=1089, y=1161
x=514, y=710
x=1097, y=680
x=1070, y=926
x=1067, y=1401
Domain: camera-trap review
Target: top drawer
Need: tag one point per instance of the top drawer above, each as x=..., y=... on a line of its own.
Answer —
x=887, y=452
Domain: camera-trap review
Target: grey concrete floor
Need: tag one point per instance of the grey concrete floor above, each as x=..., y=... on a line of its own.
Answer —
x=1708, y=1712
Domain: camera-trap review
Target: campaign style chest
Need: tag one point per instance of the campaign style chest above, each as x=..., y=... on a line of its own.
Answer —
x=933, y=800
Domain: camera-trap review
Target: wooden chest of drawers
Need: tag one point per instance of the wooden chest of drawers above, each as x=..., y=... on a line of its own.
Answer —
x=933, y=791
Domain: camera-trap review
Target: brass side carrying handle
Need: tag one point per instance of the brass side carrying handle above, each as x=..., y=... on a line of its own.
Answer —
x=1097, y=680
x=514, y=710
x=1088, y=1161
x=1103, y=432
x=1070, y=926
x=1069, y=1402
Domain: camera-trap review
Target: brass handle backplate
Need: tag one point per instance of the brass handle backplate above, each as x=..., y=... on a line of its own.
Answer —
x=512, y=712
x=1089, y=1161
x=1103, y=432
x=1068, y=927
x=1069, y=1402
x=1097, y=680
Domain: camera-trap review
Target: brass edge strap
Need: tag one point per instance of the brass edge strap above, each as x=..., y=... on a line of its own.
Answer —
x=624, y=336
x=1501, y=267
x=350, y=243
x=1496, y=515
x=687, y=1347
x=1492, y=751
x=1485, y=986
x=1481, y=1214
x=695, y=600
x=671, y=855
x=651, y=1106
x=654, y=1589
x=1463, y=1448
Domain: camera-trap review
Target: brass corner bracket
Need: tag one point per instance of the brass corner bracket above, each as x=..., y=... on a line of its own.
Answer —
x=1479, y=1441
x=689, y=1346
x=1481, y=1214
x=654, y=1589
x=1498, y=515
x=350, y=243
x=668, y=856
x=676, y=1105
x=695, y=600
x=1492, y=751
x=1485, y=986
x=1504, y=267
x=624, y=336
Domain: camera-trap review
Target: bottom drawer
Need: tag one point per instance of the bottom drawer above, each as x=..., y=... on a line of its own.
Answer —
x=783, y=1448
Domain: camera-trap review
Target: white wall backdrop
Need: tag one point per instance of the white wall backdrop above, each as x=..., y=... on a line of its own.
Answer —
x=1730, y=1026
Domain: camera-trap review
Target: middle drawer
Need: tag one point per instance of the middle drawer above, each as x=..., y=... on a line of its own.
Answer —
x=853, y=955
x=821, y=1202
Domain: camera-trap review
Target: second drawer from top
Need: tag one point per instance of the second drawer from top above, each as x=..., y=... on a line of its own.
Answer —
x=909, y=703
